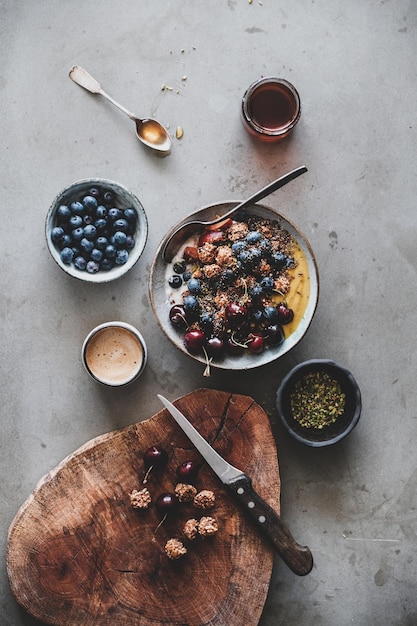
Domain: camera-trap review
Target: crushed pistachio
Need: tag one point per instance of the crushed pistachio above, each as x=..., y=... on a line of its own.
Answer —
x=317, y=400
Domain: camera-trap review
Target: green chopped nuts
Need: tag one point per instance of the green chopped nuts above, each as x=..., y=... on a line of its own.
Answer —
x=317, y=400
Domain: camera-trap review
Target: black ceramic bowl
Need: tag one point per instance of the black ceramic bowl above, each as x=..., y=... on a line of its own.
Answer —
x=344, y=424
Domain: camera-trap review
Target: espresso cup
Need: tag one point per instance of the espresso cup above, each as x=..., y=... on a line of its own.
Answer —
x=114, y=354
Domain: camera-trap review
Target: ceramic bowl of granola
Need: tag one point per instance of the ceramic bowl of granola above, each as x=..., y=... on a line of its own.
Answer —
x=319, y=402
x=239, y=295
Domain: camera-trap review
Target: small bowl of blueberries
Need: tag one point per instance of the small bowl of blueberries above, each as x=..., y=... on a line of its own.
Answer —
x=96, y=230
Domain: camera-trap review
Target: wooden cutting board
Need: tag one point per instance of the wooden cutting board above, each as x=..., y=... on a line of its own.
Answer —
x=79, y=554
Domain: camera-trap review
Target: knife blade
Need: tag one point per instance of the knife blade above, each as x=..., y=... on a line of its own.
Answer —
x=298, y=558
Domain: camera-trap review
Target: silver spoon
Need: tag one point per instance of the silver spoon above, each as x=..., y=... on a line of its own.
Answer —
x=185, y=230
x=149, y=131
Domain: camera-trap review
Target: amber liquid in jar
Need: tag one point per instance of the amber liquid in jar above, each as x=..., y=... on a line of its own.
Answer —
x=272, y=106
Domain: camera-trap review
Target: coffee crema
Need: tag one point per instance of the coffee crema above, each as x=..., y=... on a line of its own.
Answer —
x=114, y=355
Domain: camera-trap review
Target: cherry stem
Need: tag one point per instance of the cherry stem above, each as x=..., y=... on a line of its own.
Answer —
x=160, y=524
x=207, y=371
x=145, y=478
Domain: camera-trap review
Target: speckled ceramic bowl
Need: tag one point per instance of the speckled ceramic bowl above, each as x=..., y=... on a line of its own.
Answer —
x=123, y=199
x=343, y=425
x=160, y=299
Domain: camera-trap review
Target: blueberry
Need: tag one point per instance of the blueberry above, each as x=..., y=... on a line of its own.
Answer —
x=90, y=203
x=90, y=231
x=253, y=237
x=187, y=275
x=256, y=256
x=80, y=263
x=191, y=307
x=289, y=263
x=121, y=224
x=63, y=212
x=228, y=276
x=278, y=259
x=101, y=225
x=114, y=214
x=130, y=214
x=77, y=208
x=76, y=221
x=106, y=265
x=119, y=238
x=102, y=243
x=65, y=241
x=121, y=257
x=271, y=314
x=130, y=242
x=101, y=211
x=108, y=196
x=110, y=251
x=175, y=281
x=194, y=285
x=206, y=322
x=57, y=233
x=92, y=267
x=238, y=246
x=257, y=316
x=86, y=245
x=94, y=192
x=245, y=257
x=267, y=283
x=67, y=255
x=96, y=255
x=256, y=292
x=179, y=267
x=87, y=219
x=78, y=234
x=265, y=245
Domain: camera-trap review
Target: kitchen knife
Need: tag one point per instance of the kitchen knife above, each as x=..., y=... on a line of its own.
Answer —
x=298, y=558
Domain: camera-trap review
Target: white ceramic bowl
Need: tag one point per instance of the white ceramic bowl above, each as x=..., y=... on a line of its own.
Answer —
x=123, y=199
x=160, y=299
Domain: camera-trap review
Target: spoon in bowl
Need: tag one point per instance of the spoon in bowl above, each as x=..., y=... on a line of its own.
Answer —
x=184, y=231
x=149, y=131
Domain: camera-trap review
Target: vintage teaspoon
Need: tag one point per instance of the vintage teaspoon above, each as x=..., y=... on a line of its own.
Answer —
x=149, y=131
x=185, y=230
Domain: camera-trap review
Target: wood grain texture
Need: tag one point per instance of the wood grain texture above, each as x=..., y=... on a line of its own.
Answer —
x=79, y=554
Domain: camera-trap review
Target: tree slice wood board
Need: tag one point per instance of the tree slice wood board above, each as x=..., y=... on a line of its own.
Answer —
x=78, y=553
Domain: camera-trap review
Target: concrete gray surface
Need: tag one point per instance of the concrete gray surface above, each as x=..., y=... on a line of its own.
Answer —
x=354, y=64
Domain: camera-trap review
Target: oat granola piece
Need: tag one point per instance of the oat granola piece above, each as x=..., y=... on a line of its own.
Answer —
x=207, y=527
x=224, y=256
x=191, y=529
x=140, y=499
x=211, y=270
x=238, y=230
x=207, y=253
x=185, y=492
x=175, y=549
x=205, y=499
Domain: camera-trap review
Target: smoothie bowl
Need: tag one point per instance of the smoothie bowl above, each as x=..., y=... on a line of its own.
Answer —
x=240, y=295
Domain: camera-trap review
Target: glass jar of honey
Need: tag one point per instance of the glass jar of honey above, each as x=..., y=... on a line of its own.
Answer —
x=271, y=108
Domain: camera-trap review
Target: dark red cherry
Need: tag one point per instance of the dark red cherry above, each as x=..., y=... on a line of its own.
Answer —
x=155, y=456
x=187, y=471
x=236, y=314
x=194, y=340
x=177, y=316
x=274, y=335
x=215, y=347
x=285, y=314
x=257, y=344
x=166, y=502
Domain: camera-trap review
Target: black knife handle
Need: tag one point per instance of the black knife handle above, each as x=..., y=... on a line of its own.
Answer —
x=298, y=558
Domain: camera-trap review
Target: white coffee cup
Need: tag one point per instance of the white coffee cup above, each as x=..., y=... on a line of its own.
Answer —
x=114, y=354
